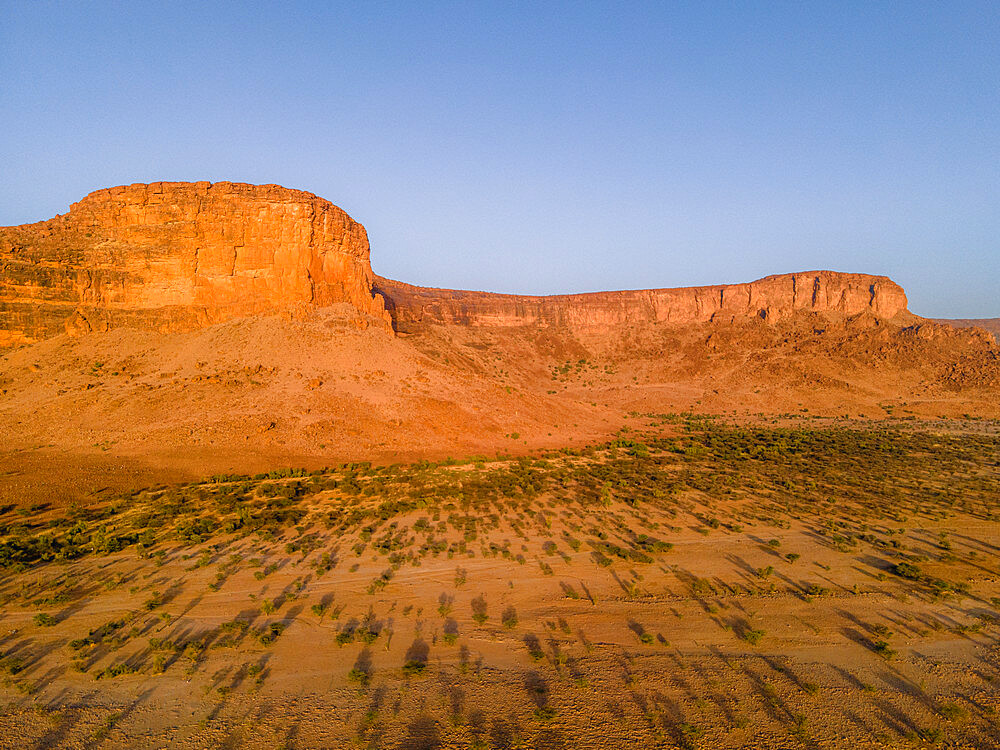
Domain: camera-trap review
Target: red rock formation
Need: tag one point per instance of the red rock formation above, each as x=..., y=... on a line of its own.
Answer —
x=174, y=256
x=772, y=298
x=180, y=255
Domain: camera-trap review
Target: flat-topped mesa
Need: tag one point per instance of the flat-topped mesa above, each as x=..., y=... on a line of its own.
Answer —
x=772, y=298
x=175, y=255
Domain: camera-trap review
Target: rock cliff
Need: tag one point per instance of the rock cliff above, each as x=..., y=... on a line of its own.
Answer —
x=176, y=256
x=773, y=298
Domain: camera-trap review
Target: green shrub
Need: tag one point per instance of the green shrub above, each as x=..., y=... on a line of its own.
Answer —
x=414, y=667
x=753, y=637
x=359, y=676
x=883, y=649
x=908, y=571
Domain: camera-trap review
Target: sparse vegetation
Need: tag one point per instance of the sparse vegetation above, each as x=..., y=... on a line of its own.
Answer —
x=674, y=531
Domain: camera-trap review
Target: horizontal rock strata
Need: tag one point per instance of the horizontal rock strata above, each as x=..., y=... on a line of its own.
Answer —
x=772, y=298
x=177, y=256
x=174, y=256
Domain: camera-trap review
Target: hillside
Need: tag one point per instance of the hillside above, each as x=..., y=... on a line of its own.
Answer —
x=171, y=331
x=987, y=324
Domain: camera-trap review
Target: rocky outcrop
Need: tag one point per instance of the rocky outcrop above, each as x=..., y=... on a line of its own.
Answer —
x=990, y=325
x=175, y=256
x=772, y=298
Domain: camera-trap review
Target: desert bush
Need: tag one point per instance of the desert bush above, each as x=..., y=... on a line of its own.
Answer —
x=908, y=571
x=509, y=618
x=413, y=667
x=115, y=670
x=883, y=649
x=753, y=636
x=479, y=610
x=269, y=634
x=952, y=711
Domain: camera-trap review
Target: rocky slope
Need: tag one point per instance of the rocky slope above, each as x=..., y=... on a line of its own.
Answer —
x=991, y=325
x=314, y=388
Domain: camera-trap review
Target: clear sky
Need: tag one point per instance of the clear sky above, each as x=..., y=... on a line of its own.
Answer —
x=544, y=147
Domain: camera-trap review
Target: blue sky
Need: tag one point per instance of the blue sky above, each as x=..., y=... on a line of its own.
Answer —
x=544, y=147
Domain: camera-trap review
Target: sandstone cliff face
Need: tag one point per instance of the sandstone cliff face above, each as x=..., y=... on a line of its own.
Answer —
x=178, y=256
x=175, y=256
x=772, y=298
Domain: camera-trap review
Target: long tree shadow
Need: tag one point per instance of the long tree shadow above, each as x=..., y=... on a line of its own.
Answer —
x=421, y=734
x=363, y=668
x=505, y=735
x=95, y=741
x=455, y=697
x=57, y=734
x=534, y=646
x=371, y=729
x=416, y=657
x=538, y=691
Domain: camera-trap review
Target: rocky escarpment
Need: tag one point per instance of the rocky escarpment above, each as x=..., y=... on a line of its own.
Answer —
x=176, y=256
x=773, y=298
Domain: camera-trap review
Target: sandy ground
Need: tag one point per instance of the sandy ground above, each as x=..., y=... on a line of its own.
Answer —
x=769, y=615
